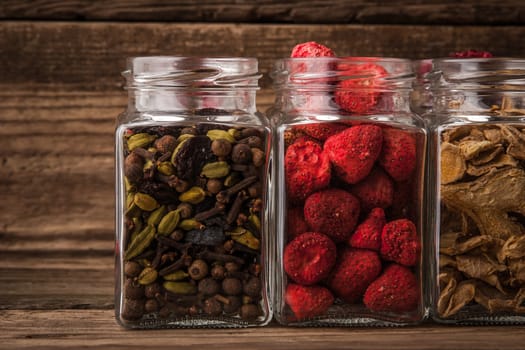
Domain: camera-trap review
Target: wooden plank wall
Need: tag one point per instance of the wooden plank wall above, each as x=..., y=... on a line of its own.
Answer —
x=61, y=90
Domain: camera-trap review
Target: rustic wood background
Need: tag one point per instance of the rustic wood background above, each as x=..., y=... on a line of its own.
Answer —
x=61, y=90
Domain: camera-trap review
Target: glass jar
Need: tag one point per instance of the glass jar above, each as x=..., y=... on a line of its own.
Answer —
x=192, y=160
x=348, y=193
x=478, y=151
x=420, y=96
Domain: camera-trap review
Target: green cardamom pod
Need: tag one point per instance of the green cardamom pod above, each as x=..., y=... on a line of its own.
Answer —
x=145, y=201
x=194, y=195
x=220, y=134
x=176, y=276
x=137, y=227
x=148, y=165
x=184, y=137
x=140, y=140
x=245, y=237
x=169, y=222
x=130, y=200
x=183, y=288
x=254, y=219
x=235, y=133
x=181, y=140
x=190, y=224
x=147, y=276
x=166, y=168
x=215, y=170
x=155, y=217
x=140, y=242
x=128, y=186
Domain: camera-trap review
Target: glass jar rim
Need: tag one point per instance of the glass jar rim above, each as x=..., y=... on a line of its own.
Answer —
x=472, y=74
x=325, y=73
x=355, y=59
x=150, y=72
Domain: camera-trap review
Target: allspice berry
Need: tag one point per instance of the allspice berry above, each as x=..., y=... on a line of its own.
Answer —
x=232, y=286
x=254, y=191
x=133, y=167
x=208, y=286
x=132, y=268
x=233, y=306
x=258, y=157
x=231, y=266
x=221, y=147
x=212, y=307
x=133, y=289
x=164, y=311
x=218, y=272
x=177, y=235
x=241, y=154
x=249, y=311
x=198, y=269
x=166, y=143
x=151, y=290
x=151, y=305
x=132, y=309
x=252, y=287
x=253, y=141
x=185, y=210
x=214, y=186
x=189, y=131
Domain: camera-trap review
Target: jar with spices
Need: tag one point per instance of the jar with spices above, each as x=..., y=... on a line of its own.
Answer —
x=348, y=193
x=192, y=160
x=478, y=153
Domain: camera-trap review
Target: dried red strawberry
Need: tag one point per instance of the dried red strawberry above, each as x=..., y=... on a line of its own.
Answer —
x=354, y=151
x=321, y=131
x=375, y=191
x=309, y=258
x=307, y=169
x=354, y=271
x=357, y=93
x=308, y=301
x=311, y=49
x=333, y=212
x=396, y=290
x=398, y=154
x=367, y=235
x=400, y=242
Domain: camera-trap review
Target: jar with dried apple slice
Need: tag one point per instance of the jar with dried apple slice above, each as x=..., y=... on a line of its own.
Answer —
x=478, y=151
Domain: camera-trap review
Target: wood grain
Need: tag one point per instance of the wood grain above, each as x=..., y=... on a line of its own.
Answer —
x=90, y=56
x=40, y=278
x=97, y=329
x=273, y=11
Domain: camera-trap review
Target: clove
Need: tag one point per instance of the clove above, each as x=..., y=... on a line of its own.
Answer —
x=183, y=261
x=167, y=241
x=236, y=207
x=161, y=249
x=224, y=196
x=219, y=209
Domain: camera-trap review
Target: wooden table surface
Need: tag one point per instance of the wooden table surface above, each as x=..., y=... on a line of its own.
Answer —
x=60, y=92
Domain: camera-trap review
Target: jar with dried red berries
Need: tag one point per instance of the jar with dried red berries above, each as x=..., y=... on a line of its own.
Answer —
x=192, y=165
x=478, y=196
x=350, y=161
